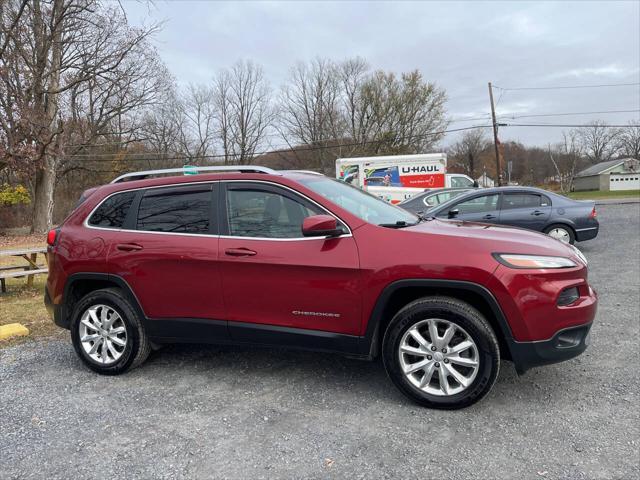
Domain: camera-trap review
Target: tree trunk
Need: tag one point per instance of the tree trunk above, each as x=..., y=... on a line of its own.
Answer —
x=43, y=197
x=44, y=186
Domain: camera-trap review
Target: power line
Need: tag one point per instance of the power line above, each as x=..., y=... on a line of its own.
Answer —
x=487, y=116
x=122, y=155
x=564, y=125
x=563, y=87
x=505, y=116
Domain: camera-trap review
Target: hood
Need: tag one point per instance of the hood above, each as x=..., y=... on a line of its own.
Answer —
x=497, y=238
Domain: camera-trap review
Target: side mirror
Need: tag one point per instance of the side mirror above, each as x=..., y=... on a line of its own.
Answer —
x=321, y=226
x=453, y=213
x=475, y=184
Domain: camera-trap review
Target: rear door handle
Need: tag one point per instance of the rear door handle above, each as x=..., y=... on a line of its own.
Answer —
x=128, y=247
x=537, y=212
x=489, y=217
x=240, y=252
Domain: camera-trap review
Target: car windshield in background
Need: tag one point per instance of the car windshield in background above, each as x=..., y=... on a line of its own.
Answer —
x=360, y=203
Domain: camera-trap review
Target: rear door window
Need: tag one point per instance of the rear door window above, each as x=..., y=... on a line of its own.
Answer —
x=512, y=201
x=112, y=212
x=176, y=210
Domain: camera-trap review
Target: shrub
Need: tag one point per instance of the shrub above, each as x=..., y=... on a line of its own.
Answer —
x=14, y=195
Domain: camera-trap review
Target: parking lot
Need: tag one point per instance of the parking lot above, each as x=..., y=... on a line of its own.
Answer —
x=207, y=412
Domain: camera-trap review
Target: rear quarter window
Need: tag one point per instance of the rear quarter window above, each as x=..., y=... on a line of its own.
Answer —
x=112, y=212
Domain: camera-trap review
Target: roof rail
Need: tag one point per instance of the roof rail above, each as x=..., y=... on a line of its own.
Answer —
x=310, y=172
x=192, y=170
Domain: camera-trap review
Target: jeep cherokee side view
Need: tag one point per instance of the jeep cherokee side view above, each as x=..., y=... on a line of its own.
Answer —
x=251, y=255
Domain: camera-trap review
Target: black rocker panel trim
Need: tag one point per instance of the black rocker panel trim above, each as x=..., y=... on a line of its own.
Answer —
x=298, y=338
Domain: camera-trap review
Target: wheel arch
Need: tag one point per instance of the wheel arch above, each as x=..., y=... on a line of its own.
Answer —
x=398, y=294
x=80, y=284
x=562, y=222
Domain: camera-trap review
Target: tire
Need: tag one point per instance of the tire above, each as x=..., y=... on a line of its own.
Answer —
x=127, y=324
x=563, y=230
x=469, y=325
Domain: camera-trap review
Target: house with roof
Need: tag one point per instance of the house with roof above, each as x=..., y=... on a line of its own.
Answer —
x=621, y=174
x=485, y=181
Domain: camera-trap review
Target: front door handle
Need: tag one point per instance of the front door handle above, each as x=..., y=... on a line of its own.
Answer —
x=537, y=212
x=128, y=247
x=489, y=217
x=240, y=252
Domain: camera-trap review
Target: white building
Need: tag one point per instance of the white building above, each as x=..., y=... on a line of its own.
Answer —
x=621, y=174
x=485, y=181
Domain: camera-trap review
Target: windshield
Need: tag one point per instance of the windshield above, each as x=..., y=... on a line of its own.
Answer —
x=360, y=203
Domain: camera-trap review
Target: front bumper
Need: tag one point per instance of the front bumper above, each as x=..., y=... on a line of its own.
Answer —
x=564, y=345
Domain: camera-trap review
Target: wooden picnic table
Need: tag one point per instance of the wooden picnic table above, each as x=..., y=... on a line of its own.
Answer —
x=29, y=270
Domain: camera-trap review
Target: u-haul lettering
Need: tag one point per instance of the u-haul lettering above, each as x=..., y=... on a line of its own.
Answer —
x=422, y=176
x=419, y=169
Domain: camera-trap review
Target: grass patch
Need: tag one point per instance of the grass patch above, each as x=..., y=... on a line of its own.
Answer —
x=25, y=305
x=600, y=195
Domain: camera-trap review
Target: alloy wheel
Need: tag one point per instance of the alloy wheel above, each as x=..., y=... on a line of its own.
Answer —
x=103, y=334
x=439, y=357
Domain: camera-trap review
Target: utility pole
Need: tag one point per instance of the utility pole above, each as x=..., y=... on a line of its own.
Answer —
x=495, y=136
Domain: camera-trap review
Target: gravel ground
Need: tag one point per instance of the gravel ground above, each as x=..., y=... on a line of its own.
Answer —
x=201, y=412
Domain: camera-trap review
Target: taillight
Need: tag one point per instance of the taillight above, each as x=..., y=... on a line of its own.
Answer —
x=52, y=236
x=593, y=214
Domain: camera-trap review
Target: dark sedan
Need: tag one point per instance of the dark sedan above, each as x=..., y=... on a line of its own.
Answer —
x=532, y=208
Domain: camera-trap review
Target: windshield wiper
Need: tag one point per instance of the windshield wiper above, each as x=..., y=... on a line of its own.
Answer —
x=398, y=224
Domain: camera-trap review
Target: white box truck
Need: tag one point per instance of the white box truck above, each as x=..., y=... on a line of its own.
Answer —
x=395, y=178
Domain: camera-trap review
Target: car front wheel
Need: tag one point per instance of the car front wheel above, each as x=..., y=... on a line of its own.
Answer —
x=441, y=353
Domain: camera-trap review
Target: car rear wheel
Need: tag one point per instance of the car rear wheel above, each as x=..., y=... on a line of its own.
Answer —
x=441, y=353
x=107, y=332
x=561, y=232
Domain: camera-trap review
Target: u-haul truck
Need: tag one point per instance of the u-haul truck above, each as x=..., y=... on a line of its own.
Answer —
x=398, y=177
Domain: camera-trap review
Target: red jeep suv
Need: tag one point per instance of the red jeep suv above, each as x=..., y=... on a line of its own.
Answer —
x=249, y=255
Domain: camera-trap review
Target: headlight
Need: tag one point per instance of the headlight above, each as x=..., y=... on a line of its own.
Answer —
x=580, y=255
x=533, y=261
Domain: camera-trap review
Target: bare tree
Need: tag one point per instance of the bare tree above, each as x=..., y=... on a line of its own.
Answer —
x=353, y=75
x=629, y=140
x=244, y=113
x=565, y=158
x=160, y=128
x=67, y=75
x=196, y=122
x=310, y=111
x=9, y=26
x=326, y=105
x=404, y=115
x=467, y=151
x=598, y=141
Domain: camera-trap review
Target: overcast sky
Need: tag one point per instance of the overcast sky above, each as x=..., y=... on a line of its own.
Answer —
x=458, y=45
